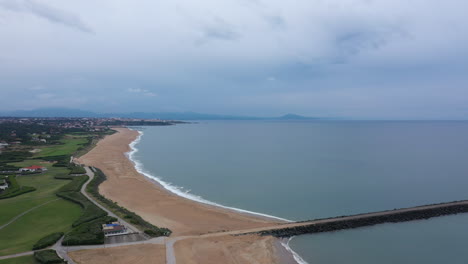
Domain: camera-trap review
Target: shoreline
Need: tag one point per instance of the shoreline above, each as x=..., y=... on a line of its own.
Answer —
x=128, y=187
x=176, y=190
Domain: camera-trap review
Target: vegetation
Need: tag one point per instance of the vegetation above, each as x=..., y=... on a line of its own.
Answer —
x=49, y=214
x=133, y=218
x=47, y=241
x=65, y=147
x=23, y=234
x=75, y=169
x=48, y=256
x=60, y=160
x=89, y=233
x=12, y=156
x=71, y=192
x=14, y=188
x=20, y=260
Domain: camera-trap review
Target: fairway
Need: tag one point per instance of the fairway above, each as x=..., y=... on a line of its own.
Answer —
x=20, y=260
x=22, y=234
x=46, y=187
x=51, y=217
x=70, y=144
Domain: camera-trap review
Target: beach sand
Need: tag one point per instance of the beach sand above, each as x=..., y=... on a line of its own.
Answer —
x=137, y=254
x=184, y=217
x=230, y=249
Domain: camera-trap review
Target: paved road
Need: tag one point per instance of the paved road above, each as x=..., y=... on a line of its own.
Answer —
x=169, y=242
x=17, y=255
x=90, y=173
x=25, y=212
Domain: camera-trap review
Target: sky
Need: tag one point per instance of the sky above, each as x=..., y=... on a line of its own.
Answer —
x=363, y=59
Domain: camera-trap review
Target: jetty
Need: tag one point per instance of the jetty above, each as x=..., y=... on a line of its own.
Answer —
x=361, y=220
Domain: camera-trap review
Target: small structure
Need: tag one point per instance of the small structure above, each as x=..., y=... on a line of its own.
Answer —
x=114, y=229
x=3, y=184
x=33, y=168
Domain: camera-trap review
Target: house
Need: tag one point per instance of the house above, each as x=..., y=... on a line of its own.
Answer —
x=113, y=229
x=33, y=168
x=3, y=184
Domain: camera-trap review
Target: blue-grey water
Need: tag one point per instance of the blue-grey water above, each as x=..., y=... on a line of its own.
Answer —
x=306, y=170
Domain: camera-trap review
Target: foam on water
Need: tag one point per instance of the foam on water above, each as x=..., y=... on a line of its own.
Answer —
x=296, y=256
x=179, y=190
x=186, y=194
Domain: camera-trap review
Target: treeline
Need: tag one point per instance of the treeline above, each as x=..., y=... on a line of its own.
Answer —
x=22, y=131
x=71, y=192
x=48, y=256
x=133, y=218
x=47, y=241
x=14, y=189
x=137, y=123
x=87, y=230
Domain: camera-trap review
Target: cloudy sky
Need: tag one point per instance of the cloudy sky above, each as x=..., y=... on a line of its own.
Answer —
x=389, y=59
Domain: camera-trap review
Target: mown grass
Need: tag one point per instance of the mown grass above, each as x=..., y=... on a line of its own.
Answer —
x=56, y=216
x=69, y=145
x=46, y=187
x=20, y=260
x=22, y=234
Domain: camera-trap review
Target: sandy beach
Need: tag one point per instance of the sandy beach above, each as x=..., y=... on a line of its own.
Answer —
x=184, y=217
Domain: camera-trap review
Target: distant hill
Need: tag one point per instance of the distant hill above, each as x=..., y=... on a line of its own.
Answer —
x=66, y=112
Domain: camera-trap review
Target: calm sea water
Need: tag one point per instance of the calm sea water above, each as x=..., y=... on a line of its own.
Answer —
x=306, y=170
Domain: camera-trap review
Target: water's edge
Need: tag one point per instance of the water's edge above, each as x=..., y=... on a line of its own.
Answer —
x=185, y=194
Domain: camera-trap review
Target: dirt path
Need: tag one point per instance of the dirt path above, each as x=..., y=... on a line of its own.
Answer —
x=25, y=212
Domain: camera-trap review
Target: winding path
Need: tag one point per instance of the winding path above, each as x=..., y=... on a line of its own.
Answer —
x=25, y=212
x=390, y=216
x=90, y=173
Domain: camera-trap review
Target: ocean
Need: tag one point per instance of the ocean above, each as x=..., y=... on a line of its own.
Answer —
x=304, y=170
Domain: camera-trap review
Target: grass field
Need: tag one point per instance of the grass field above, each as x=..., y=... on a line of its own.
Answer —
x=46, y=187
x=20, y=260
x=56, y=216
x=70, y=144
x=22, y=234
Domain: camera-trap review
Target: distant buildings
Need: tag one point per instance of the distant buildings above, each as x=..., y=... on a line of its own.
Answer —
x=113, y=229
x=33, y=168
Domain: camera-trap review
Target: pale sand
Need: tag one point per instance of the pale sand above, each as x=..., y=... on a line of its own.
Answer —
x=137, y=254
x=229, y=249
x=132, y=190
x=155, y=204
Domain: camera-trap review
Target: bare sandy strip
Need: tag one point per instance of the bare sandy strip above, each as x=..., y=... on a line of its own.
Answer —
x=184, y=217
x=229, y=249
x=132, y=190
x=137, y=254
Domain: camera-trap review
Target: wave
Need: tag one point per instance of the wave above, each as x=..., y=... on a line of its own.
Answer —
x=296, y=256
x=186, y=194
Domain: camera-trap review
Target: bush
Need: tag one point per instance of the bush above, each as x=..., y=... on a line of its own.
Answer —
x=62, y=160
x=47, y=241
x=89, y=233
x=77, y=170
x=93, y=189
x=74, y=185
x=14, y=188
x=48, y=257
x=71, y=192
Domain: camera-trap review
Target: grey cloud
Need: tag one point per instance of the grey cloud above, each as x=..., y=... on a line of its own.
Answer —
x=276, y=21
x=218, y=29
x=46, y=12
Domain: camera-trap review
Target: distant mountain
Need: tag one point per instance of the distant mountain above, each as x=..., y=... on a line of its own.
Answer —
x=65, y=112
x=50, y=112
x=295, y=117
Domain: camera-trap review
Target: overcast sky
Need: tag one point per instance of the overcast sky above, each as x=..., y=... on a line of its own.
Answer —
x=389, y=59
